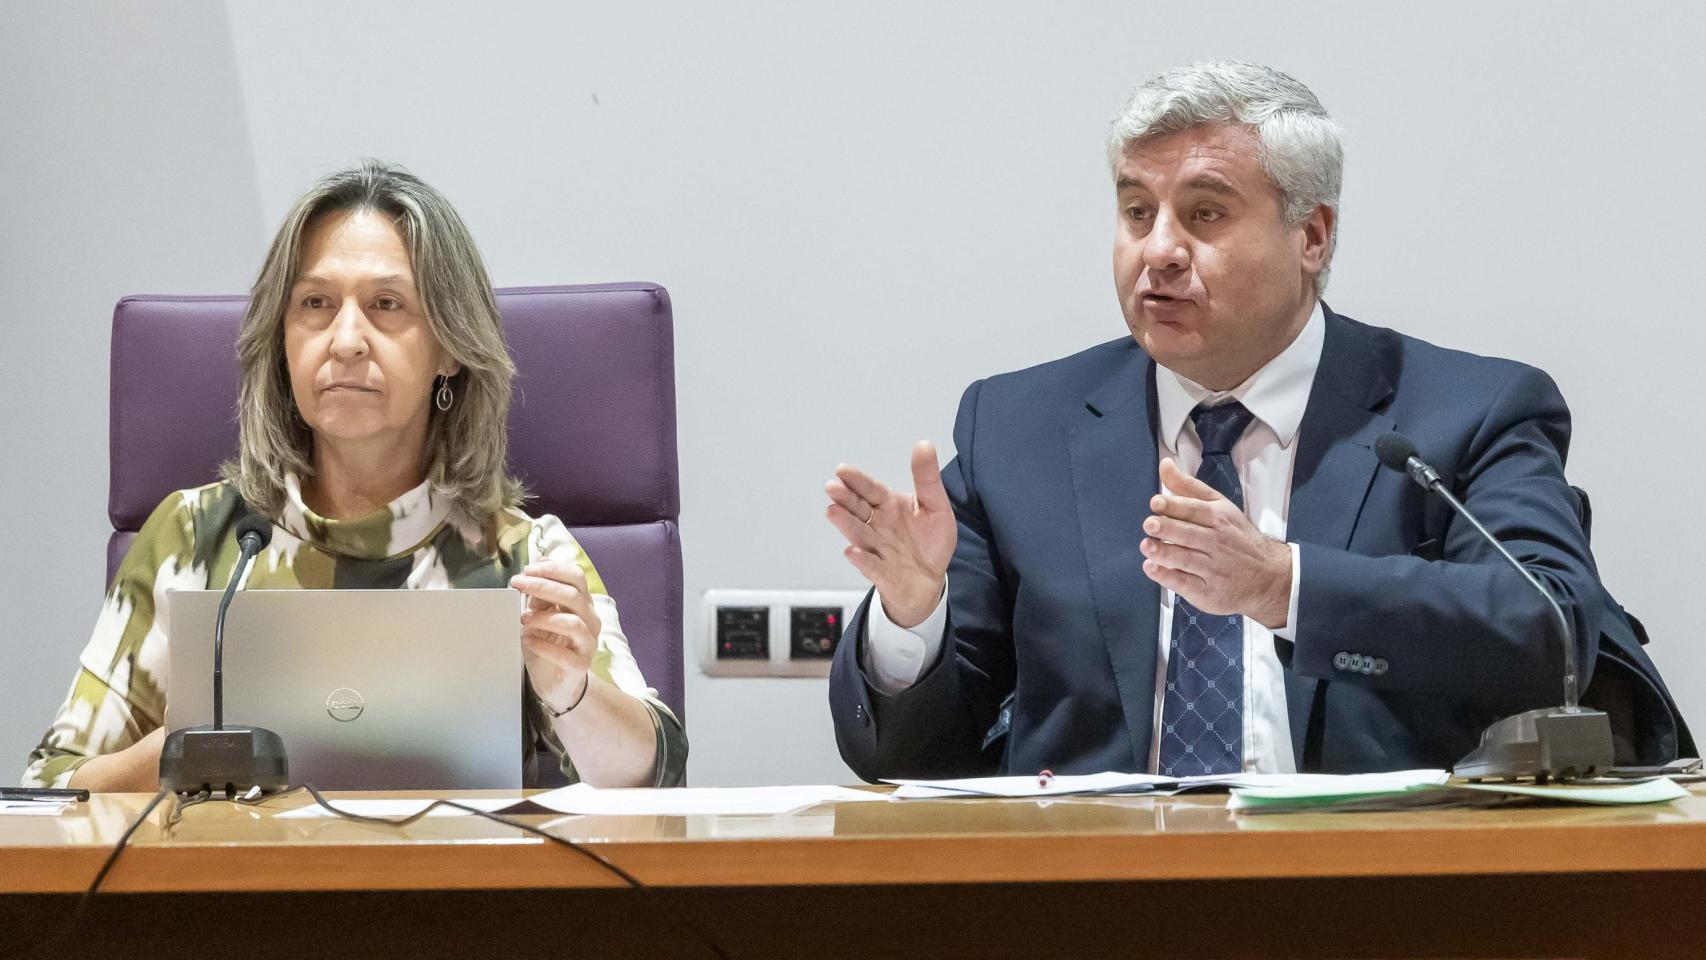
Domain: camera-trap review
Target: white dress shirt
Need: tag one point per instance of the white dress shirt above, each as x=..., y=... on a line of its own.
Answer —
x=1276, y=395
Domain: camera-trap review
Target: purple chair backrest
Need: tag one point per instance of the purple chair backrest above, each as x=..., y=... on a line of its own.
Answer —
x=591, y=431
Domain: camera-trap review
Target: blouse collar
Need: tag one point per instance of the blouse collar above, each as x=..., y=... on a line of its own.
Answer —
x=398, y=528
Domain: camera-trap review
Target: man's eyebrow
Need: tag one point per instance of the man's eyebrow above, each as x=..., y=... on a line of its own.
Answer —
x=1210, y=182
x=1213, y=183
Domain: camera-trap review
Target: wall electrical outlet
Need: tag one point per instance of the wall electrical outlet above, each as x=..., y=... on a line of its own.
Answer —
x=773, y=633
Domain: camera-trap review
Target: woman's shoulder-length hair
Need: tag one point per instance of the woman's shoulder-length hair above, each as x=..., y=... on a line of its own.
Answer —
x=468, y=443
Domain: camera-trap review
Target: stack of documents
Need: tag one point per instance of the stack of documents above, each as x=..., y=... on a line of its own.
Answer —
x=1376, y=792
x=1285, y=793
x=1048, y=785
x=1052, y=786
x=32, y=808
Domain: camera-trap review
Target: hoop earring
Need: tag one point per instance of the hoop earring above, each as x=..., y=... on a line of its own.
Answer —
x=443, y=398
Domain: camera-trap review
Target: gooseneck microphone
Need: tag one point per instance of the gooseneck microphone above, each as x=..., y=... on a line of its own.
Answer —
x=1396, y=451
x=216, y=759
x=253, y=535
x=1548, y=743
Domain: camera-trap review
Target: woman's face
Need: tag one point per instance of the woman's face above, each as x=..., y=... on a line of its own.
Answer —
x=362, y=358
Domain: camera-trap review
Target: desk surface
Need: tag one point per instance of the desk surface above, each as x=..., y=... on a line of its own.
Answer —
x=229, y=847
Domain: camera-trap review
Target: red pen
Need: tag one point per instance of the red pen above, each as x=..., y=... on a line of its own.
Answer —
x=1044, y=778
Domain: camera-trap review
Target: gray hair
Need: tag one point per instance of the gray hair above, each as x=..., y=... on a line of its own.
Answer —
x=468, y=444
x=1298, y=144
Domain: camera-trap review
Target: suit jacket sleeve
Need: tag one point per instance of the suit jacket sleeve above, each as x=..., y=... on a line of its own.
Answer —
x=936, y=728
x=1461, y=624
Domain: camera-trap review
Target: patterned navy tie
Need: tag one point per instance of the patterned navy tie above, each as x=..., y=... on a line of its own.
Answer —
x=1202, y=709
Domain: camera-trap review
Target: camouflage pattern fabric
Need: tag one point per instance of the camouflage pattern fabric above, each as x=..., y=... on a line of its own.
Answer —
x=417, y=542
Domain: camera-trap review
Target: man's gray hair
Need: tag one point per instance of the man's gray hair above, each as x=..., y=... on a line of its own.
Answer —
x=467, y=459
x=1297, y=143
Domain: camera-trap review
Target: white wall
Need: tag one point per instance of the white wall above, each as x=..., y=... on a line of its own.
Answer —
x=857, y=213
x=124, y=168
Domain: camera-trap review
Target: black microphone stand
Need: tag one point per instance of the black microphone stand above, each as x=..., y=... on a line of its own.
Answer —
x=217, y=759
x=1548, y=743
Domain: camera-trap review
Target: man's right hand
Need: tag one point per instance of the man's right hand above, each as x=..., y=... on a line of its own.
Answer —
x=901, y=542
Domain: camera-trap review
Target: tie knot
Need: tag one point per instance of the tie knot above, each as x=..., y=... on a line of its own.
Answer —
x=1220, y=427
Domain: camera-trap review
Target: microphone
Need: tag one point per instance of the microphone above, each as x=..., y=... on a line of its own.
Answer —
x=253, y=535
x=214, y=758
x=1548, y=743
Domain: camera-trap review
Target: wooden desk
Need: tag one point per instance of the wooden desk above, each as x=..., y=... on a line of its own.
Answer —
x=1090, y=877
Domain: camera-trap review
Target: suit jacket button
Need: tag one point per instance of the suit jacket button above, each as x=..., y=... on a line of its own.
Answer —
x=1341, y=660
x=1380, y=666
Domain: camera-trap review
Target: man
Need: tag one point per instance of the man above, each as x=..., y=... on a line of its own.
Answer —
x=1177, y=551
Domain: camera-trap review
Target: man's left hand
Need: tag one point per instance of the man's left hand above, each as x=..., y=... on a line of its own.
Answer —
x=1202, y=547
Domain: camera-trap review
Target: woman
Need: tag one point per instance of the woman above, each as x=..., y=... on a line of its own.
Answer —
x=375, y=391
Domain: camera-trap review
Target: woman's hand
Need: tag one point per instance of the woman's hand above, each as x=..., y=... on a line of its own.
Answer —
x=135, y=769
x=559, y=631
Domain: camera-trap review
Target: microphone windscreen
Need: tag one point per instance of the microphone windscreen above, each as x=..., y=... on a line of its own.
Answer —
x=1394, y=450
x=254, y=525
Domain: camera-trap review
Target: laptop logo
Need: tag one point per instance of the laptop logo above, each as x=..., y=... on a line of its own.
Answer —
x=345, y=704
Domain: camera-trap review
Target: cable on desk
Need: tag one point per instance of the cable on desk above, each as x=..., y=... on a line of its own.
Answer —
x=182, y=804
x=632, y=881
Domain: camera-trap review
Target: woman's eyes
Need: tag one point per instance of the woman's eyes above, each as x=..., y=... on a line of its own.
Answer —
x=322, y=302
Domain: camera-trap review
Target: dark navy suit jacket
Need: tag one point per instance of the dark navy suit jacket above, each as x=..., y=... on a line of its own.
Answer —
x=1047, y=601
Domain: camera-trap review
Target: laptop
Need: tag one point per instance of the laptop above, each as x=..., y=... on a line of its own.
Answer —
x=369, y=689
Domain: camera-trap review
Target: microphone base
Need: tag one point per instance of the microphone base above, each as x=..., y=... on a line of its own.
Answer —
x=1551, y=743
x=224, y=762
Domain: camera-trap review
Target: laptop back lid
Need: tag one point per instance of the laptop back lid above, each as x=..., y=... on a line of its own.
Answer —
x=370, y=689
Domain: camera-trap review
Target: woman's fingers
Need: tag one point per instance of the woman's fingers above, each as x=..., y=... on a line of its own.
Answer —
x=550, y=568
x=569, y=627
x=551, y=586
x=549, y=593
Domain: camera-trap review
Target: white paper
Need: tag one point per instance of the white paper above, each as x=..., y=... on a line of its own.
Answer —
x=1294, y=785
x=692, y=801
x=1149, y=783
x=32, y=808
x=1030, y=786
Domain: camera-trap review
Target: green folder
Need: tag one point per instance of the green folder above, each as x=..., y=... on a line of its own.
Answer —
x=1354, y=793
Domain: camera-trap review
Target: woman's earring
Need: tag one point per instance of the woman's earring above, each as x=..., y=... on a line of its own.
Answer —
x=443, y=398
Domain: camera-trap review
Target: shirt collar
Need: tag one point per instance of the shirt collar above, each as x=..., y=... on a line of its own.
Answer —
x=1276, y=394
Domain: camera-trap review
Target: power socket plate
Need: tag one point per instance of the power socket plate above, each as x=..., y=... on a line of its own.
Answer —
x=800, y=629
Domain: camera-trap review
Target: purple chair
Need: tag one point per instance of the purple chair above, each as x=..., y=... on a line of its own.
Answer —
x=591, y=431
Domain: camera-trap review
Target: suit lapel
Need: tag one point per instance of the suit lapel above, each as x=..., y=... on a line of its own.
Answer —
x=1114, y=473
x=1334, y=467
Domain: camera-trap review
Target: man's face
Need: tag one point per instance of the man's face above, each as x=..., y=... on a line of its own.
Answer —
x=1212, y=282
